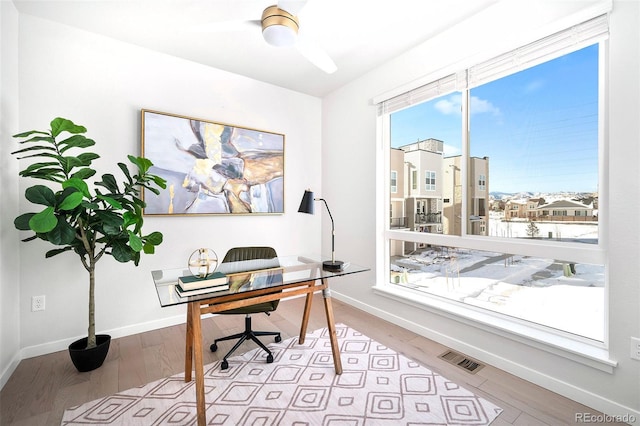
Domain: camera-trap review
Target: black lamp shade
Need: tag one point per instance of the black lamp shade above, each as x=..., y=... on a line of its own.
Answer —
x=306, y=205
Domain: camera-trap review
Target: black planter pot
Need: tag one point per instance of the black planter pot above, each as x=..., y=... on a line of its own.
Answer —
x=89, y=359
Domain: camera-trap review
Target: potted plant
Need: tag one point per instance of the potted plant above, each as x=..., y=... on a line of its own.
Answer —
x=91, y=221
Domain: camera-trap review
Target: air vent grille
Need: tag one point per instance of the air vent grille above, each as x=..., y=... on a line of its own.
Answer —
x=462, y=361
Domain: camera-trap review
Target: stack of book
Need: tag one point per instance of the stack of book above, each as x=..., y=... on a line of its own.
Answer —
x=192, y=285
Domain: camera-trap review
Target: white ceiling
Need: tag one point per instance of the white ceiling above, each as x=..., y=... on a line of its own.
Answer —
x=358, y=34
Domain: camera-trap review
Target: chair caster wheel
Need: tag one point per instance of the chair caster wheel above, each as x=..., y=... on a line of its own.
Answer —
x=278, y=339
x=224, y=365
x=269, y=359
x=213, y=347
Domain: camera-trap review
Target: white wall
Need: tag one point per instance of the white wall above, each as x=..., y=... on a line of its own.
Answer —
x=9, y=283
x=102, y=84
x=349, y=131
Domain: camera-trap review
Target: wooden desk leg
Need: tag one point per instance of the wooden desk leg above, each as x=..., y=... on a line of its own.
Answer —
x=306, y=313
x=188, y=353
x=331, y=326
x=196, y=327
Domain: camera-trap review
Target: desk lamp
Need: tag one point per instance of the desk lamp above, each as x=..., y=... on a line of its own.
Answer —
x=306, y=206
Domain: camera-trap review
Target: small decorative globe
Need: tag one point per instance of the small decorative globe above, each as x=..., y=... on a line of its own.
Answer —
x=203, y=262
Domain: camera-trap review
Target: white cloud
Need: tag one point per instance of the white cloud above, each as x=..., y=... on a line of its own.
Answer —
x=453, y=105
x=478, y=106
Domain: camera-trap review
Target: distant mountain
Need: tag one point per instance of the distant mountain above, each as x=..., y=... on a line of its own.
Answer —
x=497, y=195
x=579, y=196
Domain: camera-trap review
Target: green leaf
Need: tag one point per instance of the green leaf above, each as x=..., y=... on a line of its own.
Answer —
x=143, y=163
x=22, y=222
x=54, y=175
x=161, y=182
x=54, y=252
x=76, y=141
x=121, y=251
x=68, y=163
x=62, y=234
x=125, y=170
x=45, y=154
x=41, y=166
x=136, y=258
x=44, y=221
x=35, y=148
x=29, y=133
x=87, y=157
x=90, y=206
x=112, y=222
x=135, y=242
x=71, y=201
x=84, y=173
x=109, y=182
x=154, y=238
x=40, y=194
x=130, y=218
x=59, y=125
x=112, y=202
x=78, y=184
x=149, y=249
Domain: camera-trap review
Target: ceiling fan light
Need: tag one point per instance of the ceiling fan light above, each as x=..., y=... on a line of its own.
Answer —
x=279, y=28
x=279, y=35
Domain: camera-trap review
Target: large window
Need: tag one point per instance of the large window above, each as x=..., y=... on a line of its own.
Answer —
x=510, y=152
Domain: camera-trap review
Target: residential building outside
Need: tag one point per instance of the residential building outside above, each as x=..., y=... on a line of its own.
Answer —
x=426, y=192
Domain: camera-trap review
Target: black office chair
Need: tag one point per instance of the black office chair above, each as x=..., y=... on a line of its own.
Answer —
x=240, y=254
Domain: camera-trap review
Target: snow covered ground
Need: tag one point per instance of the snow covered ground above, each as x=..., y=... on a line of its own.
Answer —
x=544, y=291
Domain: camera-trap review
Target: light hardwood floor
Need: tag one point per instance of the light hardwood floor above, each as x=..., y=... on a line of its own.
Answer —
x=42, y=387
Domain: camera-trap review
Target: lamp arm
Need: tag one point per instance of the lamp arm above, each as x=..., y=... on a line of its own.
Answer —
x=333, y=230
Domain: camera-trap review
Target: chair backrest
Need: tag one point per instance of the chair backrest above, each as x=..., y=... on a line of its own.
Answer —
x=249, y=253
x=245, y=259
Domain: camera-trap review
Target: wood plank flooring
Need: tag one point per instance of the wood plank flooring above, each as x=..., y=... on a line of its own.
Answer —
x=42, y=387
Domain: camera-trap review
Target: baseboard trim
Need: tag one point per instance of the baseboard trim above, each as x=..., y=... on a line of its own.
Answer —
x=63, y=344
x=8, y=371
x=568, y=390
x=60, y=345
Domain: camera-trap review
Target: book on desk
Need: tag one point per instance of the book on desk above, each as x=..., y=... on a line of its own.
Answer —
x=183, y=293
x=191, y=285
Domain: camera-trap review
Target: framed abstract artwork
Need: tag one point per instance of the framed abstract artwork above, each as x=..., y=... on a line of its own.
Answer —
x=212, y=168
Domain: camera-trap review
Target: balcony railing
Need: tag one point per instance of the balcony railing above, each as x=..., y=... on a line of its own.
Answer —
x=429, y=218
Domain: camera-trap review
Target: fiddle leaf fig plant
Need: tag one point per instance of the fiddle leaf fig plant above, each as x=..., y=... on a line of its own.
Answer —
x=90, y=220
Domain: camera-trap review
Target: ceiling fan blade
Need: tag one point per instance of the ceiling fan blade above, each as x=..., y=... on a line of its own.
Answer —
x=226, y=26
x=316, y=55
x=292, y=6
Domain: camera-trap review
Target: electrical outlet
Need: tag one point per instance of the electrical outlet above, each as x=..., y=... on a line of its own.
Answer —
x=635, y=348
x=37, y=303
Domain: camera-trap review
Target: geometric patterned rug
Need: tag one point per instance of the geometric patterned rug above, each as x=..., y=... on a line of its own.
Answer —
x=377, y=387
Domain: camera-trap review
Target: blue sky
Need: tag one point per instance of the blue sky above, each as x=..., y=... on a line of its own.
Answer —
x=539, y=127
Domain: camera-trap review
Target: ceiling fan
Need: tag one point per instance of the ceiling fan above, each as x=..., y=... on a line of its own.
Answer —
x=281, y=28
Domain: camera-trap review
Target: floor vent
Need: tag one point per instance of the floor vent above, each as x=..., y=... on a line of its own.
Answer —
x=467, y=364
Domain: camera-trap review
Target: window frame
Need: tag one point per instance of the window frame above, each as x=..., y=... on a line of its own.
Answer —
x=482, y=182
x=584, y=350
x=394, y=188
x=430, y=181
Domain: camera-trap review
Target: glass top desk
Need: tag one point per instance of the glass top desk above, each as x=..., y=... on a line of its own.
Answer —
x=250, y=282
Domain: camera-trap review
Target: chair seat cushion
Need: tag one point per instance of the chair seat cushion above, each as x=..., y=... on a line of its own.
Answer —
x=253, y=309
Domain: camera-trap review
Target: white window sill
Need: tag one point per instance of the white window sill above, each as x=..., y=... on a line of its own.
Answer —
x=590, y=353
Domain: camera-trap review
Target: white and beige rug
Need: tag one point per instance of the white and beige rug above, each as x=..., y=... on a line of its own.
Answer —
x=377, y=387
